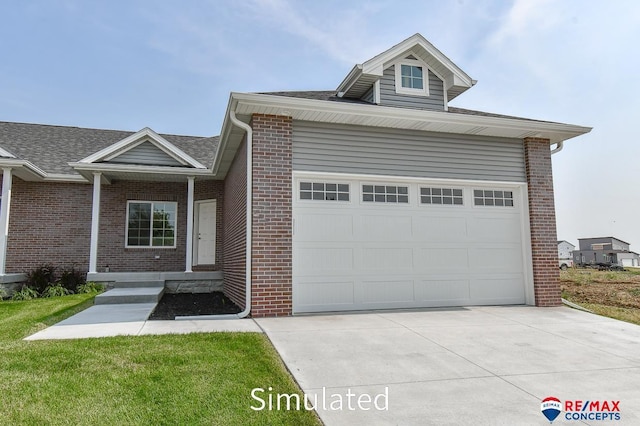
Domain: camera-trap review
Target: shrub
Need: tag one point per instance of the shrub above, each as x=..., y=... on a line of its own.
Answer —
x=3, y=293
x=55, y=290
x=41, y=277
x=90, y=287
x=71, y=279
x=25, y=293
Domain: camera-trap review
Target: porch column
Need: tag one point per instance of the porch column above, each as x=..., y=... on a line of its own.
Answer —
x=7, y=175
x=95, y=223
x=189, y=255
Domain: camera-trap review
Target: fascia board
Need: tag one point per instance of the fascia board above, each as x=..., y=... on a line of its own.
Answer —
x=290, y=104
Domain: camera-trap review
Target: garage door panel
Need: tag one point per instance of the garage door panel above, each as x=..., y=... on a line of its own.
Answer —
x=382, y=292
x=315, y=296
x=442, y=259
x=438, y=229
x=503, y=228
x=496, y=259
x=388, y=259
x=443, y=291
x=383, y=228
x=318, y=260
x=498, y=290
x=326, y=226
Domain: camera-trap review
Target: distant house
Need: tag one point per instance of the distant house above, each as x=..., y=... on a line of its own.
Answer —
x=565, y=253
x=607, y=250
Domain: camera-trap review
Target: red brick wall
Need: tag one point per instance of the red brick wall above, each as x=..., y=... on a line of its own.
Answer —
x=272, y=216
x=542, y=217
x=49, y=223
x=235, y=220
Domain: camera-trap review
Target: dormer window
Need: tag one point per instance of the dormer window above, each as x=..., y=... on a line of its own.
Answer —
x=411, y=78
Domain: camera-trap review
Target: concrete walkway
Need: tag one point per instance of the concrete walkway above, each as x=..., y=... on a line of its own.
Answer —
x=131, y=320
x=464, y=366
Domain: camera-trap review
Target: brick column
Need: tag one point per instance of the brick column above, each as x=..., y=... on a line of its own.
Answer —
x=272, y=216
x=542, y=216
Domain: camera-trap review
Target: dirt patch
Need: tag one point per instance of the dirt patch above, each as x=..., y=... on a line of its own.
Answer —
x=182, y=304
x=618, y=289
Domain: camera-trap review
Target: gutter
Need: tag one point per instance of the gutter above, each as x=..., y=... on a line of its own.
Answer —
x=558, y=147
x=249, y=224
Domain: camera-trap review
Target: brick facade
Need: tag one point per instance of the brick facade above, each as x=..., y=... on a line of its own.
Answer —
x=235, y=231
x=542, y=218
x=272, y=216
x=49, y=223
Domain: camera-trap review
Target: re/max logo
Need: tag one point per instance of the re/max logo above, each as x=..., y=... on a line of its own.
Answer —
x=599, y=406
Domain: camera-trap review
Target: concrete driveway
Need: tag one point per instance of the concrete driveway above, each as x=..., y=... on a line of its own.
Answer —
x=461, y=366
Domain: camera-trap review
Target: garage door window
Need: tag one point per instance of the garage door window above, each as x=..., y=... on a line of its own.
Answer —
x=385, y=194
x=444, y=196
x=483, y=197
x=324, y=191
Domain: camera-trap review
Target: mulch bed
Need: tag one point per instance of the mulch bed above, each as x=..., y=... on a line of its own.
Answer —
x=182, y=304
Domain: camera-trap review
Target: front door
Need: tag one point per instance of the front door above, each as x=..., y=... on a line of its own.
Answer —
x=205, y=240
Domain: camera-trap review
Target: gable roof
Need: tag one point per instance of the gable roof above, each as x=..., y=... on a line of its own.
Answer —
x=51, y=148
x=362, y=76
x=144, y=136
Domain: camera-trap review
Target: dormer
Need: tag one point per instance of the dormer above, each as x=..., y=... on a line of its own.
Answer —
x=411, y=74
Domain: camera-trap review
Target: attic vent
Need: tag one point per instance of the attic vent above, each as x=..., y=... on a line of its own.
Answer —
x=411, y=57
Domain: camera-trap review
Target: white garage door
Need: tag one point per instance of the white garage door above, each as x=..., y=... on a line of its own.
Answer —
x=375, y=244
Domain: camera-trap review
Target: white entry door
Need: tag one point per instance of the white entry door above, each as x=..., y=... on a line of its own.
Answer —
x=205, y=241
x=366, y=244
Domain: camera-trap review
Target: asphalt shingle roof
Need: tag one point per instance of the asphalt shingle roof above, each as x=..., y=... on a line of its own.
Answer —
x=52, y=147
x=332, y=95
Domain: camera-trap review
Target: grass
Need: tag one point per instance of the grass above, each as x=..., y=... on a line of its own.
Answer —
x=194, y=379
x=615, y=294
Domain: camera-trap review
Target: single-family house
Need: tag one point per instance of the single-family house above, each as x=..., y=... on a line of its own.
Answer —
x=605, y=250
x=565, y=254
x=374, y=195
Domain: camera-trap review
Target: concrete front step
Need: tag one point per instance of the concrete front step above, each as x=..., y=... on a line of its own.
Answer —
x=138, y=284
x=130, y=295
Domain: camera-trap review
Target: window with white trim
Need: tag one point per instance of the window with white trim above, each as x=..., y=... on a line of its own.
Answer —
x=444, y=196
x=385, y=194
x=412, y=77
x=151, y=224
x=484, y=197
x=324, y=191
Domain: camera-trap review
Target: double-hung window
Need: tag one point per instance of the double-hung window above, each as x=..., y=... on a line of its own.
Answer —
x=151, y=224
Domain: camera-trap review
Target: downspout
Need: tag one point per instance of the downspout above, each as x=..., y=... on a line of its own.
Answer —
x=558, y=147
x=249, y=226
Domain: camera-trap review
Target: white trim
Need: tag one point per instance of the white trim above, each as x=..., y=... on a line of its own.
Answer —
x=189, y=248
x=136, y=139
x=400, y=89
x=134, y=168
x=95, y=223
x=376, y=92
x=6, y=154
x=5, y=212
x=342, y=112
x=150, y=246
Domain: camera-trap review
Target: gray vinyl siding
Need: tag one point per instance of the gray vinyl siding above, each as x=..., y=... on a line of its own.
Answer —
x=146, y=153
x=368, y=97
x=389, y=97
x=323, y=147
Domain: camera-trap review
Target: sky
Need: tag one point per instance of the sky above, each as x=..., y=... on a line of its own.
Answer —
x=171, y=65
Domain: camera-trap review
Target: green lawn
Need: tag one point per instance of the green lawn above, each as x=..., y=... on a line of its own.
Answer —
x=195, y=379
